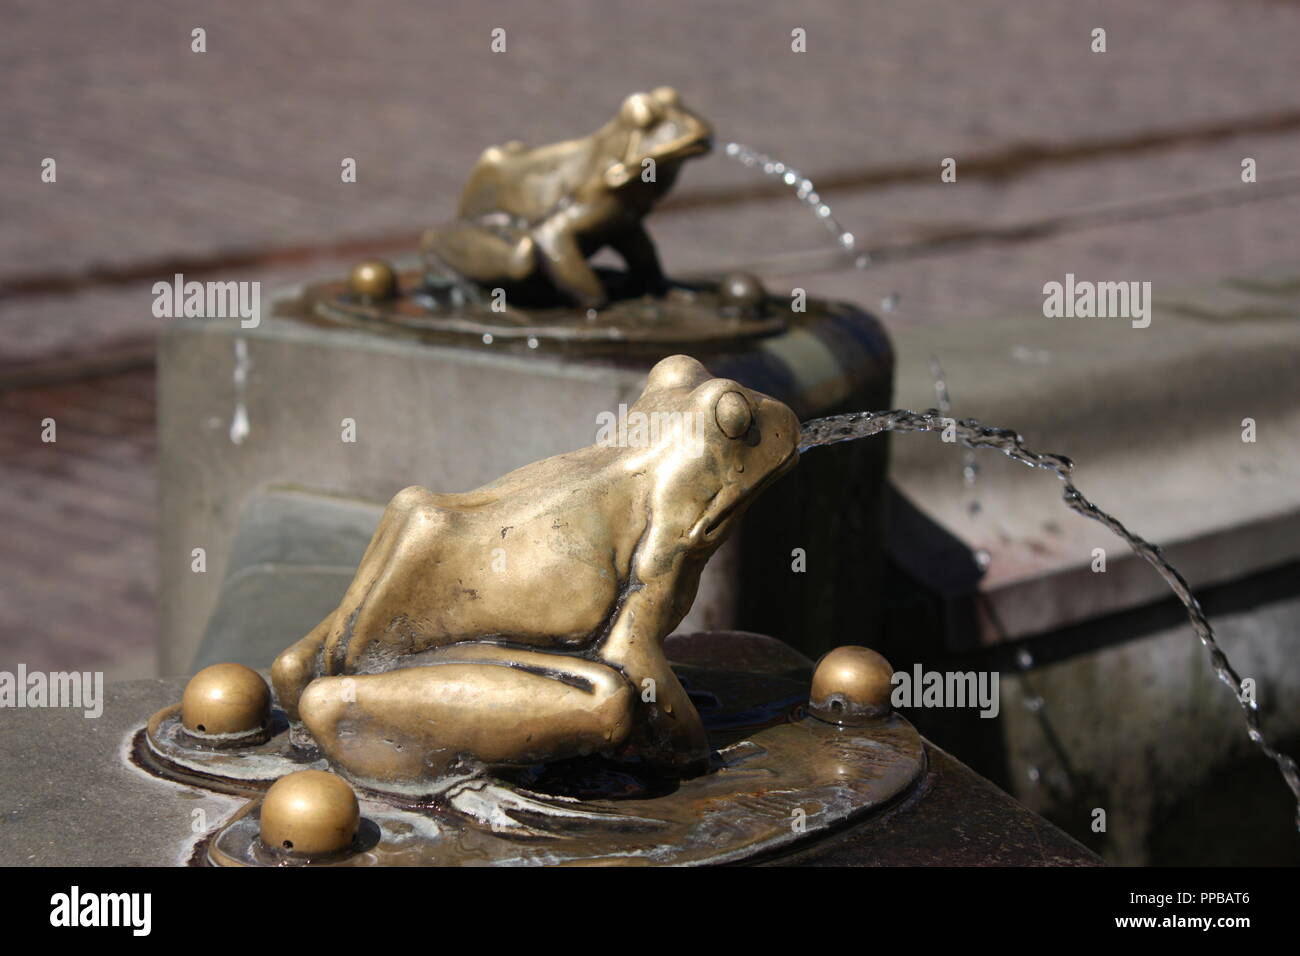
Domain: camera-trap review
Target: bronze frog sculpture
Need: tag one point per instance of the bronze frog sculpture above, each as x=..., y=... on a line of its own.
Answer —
x=523, y=622
x=536, y=215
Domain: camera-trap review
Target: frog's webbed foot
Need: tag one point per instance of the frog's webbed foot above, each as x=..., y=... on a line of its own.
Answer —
x=467, y=704
x=673, y=744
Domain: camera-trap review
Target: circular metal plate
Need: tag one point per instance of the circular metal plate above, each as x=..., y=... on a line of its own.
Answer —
x=782, y=786
x=690, y=316
x=778, y=778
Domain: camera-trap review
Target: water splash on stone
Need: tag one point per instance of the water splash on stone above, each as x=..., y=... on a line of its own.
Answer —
x=971, y=434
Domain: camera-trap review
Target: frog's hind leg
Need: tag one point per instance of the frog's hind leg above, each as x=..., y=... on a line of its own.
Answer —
x=469, y=705
x=474, y=251
x=309, y=658
x=298, y=665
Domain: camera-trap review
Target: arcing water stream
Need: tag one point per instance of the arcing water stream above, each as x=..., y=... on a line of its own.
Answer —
x=971, y=434
x=805, y=192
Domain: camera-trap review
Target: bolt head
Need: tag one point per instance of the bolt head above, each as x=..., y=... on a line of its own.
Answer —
x=373, y=280
x=851, y=685
x=310, y=813
x=226, y=699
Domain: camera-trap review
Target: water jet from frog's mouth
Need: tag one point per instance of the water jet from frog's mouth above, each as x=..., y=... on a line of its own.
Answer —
x=972, y=434
x=805, y=192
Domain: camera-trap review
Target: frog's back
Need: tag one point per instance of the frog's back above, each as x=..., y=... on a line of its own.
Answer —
x=557, y=474
x=524, y=183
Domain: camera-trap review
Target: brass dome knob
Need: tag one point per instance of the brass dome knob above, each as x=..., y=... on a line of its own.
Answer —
x=373, y=280
x=851, y=685
x=742, y=291
x=226, y=700
x=310, y=813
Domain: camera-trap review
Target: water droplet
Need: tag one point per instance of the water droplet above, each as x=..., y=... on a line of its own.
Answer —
x=1024, y=660
x=591, y=315
x=890, y=302
x=239, y=427
x=983, y=559
x=487, y=338
x=532, y=341
x=1034, y=775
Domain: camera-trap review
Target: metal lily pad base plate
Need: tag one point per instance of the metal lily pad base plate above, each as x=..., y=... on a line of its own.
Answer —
x=778, y=778
x=691, y=315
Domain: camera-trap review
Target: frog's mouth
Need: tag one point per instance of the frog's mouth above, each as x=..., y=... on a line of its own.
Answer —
x=693, y=147
x=695, y=143
x=720, y=520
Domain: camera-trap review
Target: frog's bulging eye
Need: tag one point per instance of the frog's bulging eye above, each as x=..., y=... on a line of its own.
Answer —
x=667, y=96
x=641, y=110
x=733, y=414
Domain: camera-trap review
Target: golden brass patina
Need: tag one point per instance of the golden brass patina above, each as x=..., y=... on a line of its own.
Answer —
x=309, y=813
x=524, y=622
x=538, y=214
x=851, y=686
x=228, y=701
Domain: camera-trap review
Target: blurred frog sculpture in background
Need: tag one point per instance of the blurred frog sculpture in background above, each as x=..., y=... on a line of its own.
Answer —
x=529, y=218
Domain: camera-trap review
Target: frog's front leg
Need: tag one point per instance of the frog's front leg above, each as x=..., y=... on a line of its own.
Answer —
x=669, y=732
x=467, y=706
x=638, y=251
x=562, y=256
